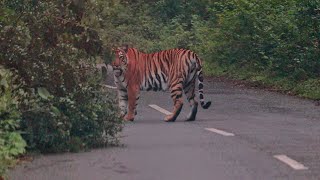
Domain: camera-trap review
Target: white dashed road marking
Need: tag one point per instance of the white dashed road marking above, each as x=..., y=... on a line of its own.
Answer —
x=292, y=163
x=160, y=109
x=224, y=133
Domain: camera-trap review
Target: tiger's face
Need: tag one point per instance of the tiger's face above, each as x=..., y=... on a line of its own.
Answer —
x=120, y=63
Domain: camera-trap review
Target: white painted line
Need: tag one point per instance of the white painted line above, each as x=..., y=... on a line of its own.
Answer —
x=292, y=163
x=110, y=87
x=160, y=109
x=224, y=133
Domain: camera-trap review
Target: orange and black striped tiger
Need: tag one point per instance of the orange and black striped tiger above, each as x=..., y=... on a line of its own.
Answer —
x=174, y=69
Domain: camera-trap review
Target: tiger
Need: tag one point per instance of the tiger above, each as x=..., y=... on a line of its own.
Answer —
x=173, y=69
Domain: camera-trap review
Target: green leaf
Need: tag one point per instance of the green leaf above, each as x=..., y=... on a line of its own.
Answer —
x=55, y=111
x=43, y=92
x=4, y=83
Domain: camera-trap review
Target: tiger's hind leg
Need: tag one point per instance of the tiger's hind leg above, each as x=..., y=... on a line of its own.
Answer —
x=190, y=93
x=176, y=95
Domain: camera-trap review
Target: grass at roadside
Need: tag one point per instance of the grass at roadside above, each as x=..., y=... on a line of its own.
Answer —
x=309, y=88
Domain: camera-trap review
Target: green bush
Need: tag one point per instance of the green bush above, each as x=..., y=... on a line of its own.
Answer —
x=86, y=118
x=11, y=142
x=270, y=35
x=53, y=46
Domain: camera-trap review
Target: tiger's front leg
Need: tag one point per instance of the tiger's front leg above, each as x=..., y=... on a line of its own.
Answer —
x=123, y=101
x=133, y=96
x=122, y=96
x=123, y=105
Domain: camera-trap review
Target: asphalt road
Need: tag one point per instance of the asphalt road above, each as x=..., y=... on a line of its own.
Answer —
x=250, y=128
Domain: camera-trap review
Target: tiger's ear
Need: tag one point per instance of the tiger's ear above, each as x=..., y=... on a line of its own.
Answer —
x=125, y=48
x=114, y=49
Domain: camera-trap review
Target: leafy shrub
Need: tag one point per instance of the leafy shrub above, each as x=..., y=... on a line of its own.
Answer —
x=86, y=118
x=11, y=142
x=53, y=47
x=270, y=35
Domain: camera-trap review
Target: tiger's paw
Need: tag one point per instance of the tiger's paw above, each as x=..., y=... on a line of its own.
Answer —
x=190, y=119
x=122, y=114
x=169, y=118
x=128, y=118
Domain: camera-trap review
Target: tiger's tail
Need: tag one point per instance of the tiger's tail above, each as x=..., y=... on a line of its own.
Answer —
x=204, y=105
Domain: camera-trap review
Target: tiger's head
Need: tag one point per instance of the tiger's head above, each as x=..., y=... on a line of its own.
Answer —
x=120, y=63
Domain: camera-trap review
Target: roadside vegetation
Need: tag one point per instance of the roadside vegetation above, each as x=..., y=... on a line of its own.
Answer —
x=51, y=97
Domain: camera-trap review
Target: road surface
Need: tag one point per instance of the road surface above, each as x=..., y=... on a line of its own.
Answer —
x=246, y=134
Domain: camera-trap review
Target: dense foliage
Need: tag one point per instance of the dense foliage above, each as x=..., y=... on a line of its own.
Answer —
x=11, y=142
x=51, y=47
x=281, y=37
